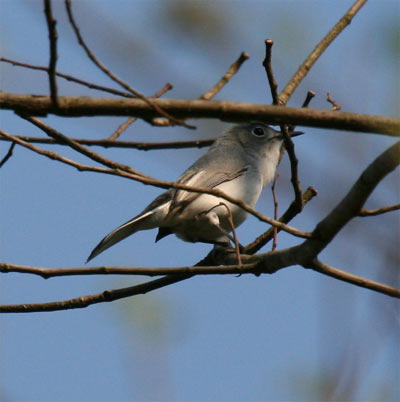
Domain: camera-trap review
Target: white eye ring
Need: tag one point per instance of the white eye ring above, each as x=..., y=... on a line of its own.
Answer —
x=258, y=132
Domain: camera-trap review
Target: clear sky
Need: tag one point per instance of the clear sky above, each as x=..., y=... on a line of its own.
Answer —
x=295, y=335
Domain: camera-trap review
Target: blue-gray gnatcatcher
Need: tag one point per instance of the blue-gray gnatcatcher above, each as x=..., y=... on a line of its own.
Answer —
x=239, y=163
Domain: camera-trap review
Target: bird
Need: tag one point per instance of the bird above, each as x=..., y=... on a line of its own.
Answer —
x=240, y=163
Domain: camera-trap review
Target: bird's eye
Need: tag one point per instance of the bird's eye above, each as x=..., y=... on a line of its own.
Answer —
x=258, y=131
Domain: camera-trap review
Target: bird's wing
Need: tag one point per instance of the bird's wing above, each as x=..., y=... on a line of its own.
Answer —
x=148, y=219
x=200, y=179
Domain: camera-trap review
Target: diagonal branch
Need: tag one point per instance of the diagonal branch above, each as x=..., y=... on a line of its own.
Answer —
x=8, y=155
x=78, y=147
x=318, y=50
x=69, y=78
x=355, y=279
x=353, y=202
x=288, y=215
x=131, y=120
x=114, y=77
x=233, y=69
x=378, y=211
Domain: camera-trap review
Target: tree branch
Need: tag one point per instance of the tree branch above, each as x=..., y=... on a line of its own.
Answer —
x=224, y=110
x=318, y=50
x=51, y=25
x=288, y=215
x=353, y=202
x=378, y=211
x=111, y=75
x=355, y=279
x=108, y=143
x=131, y=120
x=69, y=78
x=8, y=155
x=233, y=69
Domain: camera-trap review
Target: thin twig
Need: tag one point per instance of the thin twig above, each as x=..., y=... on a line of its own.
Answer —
x=8, y=155
x=309, y=96
x=131, y=120
x=318, y=50
x=115, y=78
x=121, y=128
x=69, y=78
x=235, y=238
x=335, y=105
x=124, y=171
x=51, y=25
x=274, y=228
x=143, y=146
x=289, y=214
x=307, y=100
x=78, y=147
x=233, y=69
x=288, y=143
x=354, y=279
x=378, y=211
x=289, y=146
x=267, y=63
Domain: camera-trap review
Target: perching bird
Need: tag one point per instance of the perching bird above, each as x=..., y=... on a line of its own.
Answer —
x=240, y=163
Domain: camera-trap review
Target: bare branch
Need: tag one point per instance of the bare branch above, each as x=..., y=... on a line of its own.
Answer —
x=121, y=128
x=355, y=279
x=47, y=273
x=289, y=146
x=51, y=25
x=110, y=74
x=233, y=69
x=70, y=78
x=224, y=110
x=378, y=211
x=335, y=105
x=80, y=148
x=289, y=214
x=353, y=202
x=318, y=50
x=310, y=95
x=84, y=301
x=143, y=146
x=8, y=155
x=288, y=143
x=276, y=205
x=267, y=63
x=263, y=263
x=131, y=120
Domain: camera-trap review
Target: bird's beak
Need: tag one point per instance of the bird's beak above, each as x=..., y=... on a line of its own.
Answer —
x=296, y=133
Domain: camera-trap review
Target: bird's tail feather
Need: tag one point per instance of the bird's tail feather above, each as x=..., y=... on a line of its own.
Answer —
x=140, y=222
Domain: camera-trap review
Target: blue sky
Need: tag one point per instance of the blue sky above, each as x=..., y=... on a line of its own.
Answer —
x=274, y=338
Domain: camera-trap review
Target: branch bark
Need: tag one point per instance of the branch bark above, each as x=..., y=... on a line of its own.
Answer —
x=186, y=109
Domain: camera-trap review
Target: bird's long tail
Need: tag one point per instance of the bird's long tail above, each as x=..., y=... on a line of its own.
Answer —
x=140, y=222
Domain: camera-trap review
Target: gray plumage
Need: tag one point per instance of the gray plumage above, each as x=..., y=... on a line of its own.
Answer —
x=241, y=162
